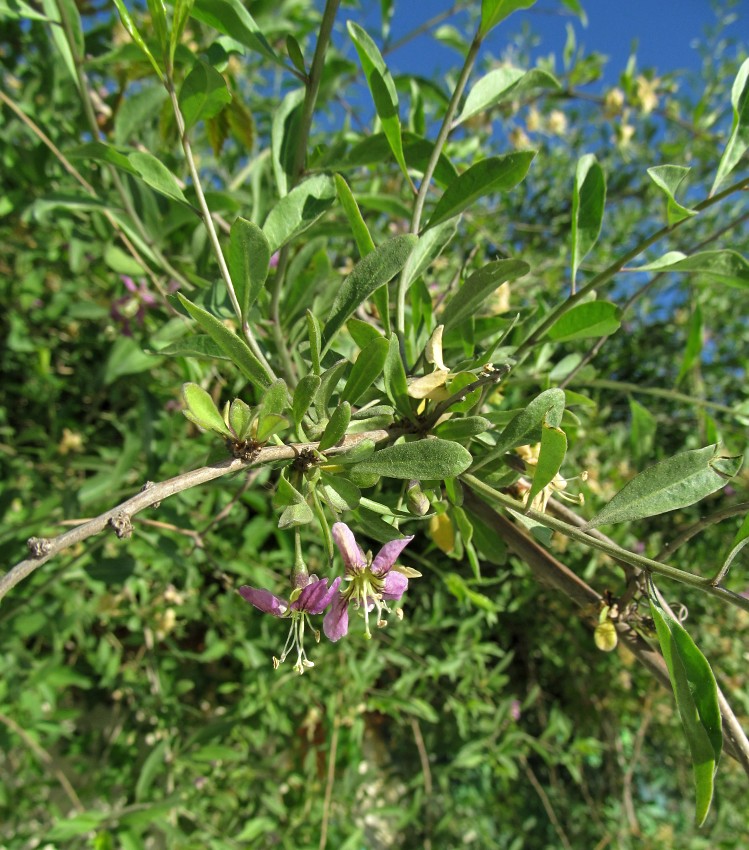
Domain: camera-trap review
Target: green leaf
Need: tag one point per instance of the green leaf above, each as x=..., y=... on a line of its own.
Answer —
x=367, y=369
x=234, y=347
x=361, y=233
x=693, y=348
x=339, y=493
x=591, y=319
x=328, y=384
x=495, y=11
x=727, y=267
x=303, y=394
x=202, y=410
x=294, y=52
x=503, y=84
x=283, y=136
x=182, y=9
x=269, y=424
x=203, y=94
x=127, y=358
x=157, y=10
x=18, y=9
x=249, y=261
x=463, y=428
x=738, y=141
x=674, y=483
x=396, y=383
x=478, y=287
x=642, y=429
x=550, y=457
x=231, y=18
x=335, y=430
x=362, y=332
x=70, y=53
x=240, y=418
x=156, y=175
x=136, y=111
x=495, y=174
x=296, y=515
x=196, y=345
x=314, y=331
x=154, y=764
x=383, y=91
x=134, y=33
x=668, y=178
x=545, y=409
x=275, y=398
x=588, y=202
x=298, y=210
x=373, y=271
x=430, y=245
x=696, y=693
x=423, y=459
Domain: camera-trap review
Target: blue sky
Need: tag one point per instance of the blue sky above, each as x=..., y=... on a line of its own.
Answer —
x=667, y=31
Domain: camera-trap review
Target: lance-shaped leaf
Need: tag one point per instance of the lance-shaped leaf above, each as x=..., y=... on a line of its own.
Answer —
x=425, y=459
x=696, y=693
x=588, y=201
x=673, y=483
x=383, y=91
x=591, y=319
x=156, y=175
x=361, y=233
x=495, y=11
x=738, y=141
x=298, y=210
x=367, y=369
x=727, y=267
x=231, y=18
x=430, y=246
x=249, y=260
x=132, y=30
x=182, y=9
x=478, y=287
x=314, y=332
x=500, y=85
x=284, y=135
x=202, y=410
x=373, y=271
x=335, y=430
x=203, y=94
x=240, y=419
x=463, y=427
x=495, y=174
x=668, y=178
x=694, y=344
x=396, y=384
x=304, y=393
x=235, y=348
x=550, y=457
x=546, y=409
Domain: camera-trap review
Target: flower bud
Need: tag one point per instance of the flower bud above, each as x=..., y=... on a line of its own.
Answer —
x=418, y=503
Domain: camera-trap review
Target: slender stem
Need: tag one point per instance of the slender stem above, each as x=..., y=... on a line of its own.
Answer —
x=47, y=548
x=439, y=143
x=313, y=85
x=607, y=274
x=685, y=536
x=300, y=156
x=623, y=386
x=211, y=228
x=613, y=550
x=88, y=111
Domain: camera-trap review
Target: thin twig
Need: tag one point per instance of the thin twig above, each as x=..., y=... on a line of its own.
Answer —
x=46, y=759
x=426, y=772
x=546, y=803
x=724, y=513
x=45, y=549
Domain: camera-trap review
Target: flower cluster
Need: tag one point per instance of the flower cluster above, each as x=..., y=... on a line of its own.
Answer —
x=369, y=584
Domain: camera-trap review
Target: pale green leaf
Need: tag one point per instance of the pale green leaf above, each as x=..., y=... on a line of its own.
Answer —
x=203, y=410
x=232, y=18
x=478, y=287
x=361, y=233
x=298, y=210
x=668, y=178
x=591, y=319
x=588, y=202
x=500, y=85
x=495, y=11
x=738, y=141
x=203, y=94
x=367, y=369
x=495, y=174
x=673, y=483
x=727, y=267
x=335, y=430
x=550, y=457
x=422, y=459
x=248, y=258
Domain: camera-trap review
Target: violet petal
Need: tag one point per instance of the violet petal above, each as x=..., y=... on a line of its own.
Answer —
x=353, y=557
x=395, y=585
x=335, y=624
x=388, y=555
x=265, y=601
x=316, y=597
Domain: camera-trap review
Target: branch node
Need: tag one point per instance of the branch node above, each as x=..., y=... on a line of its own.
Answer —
x=121, y=524
x=39, y=546
x=147, y=486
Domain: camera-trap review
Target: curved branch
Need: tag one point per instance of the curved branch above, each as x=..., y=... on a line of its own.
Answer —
x=118, y=518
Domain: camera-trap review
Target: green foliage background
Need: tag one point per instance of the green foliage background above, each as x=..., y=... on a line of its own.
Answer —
x=138, y=706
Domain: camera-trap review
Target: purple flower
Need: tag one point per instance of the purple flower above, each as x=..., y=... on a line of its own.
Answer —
x=132, y=306
x=371, y=583
x=311, y=596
